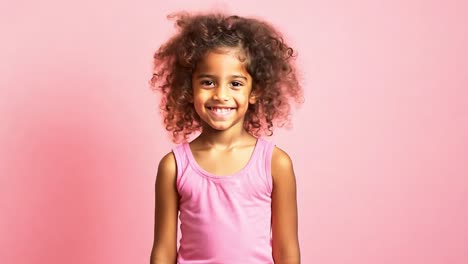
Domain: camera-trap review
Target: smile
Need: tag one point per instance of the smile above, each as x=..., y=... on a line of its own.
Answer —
x=220, y=111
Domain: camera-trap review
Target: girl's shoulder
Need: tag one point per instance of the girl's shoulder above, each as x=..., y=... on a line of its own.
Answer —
x=280, y=157
x=167, y=166
x=281, y=165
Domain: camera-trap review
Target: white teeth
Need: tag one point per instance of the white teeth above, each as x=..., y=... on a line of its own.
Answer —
x=220, y=110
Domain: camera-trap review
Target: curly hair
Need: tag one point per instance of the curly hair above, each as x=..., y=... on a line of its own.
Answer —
x=269, y=60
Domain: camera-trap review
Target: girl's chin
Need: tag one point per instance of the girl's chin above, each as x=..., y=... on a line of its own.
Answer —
x=219, y=126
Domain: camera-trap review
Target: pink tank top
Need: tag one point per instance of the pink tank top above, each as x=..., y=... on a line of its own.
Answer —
x=225, y=219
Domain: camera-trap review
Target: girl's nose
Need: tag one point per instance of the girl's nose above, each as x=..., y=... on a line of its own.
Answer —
x=221, y=94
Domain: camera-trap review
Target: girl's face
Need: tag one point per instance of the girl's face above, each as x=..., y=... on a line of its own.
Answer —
x=222, y=89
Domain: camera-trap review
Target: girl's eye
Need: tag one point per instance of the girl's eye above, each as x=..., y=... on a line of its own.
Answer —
x=207, y=83
x=236, y=84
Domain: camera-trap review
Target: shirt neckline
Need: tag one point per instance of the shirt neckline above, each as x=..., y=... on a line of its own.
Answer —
x=200, y=170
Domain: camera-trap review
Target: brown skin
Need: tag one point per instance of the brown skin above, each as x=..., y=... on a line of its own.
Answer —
x=269, y=60
x=284, y=210
x=225, y=141
x=284, y=204
x=166, y=213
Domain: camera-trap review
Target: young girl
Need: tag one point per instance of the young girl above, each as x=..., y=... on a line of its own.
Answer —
x=230, y=79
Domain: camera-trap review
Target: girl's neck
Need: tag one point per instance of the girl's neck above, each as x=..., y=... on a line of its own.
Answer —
x=224, y=139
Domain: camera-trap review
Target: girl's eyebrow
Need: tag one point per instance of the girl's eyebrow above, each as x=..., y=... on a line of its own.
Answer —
x=204, y=75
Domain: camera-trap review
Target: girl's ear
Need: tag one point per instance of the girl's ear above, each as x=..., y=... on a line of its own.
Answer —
x=252, y=98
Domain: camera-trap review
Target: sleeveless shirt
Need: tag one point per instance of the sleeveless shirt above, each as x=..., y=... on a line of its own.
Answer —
x=225, y=219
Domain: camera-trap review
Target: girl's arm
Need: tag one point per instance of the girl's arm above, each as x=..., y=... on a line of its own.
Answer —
x=284, y=210
x=166, y=211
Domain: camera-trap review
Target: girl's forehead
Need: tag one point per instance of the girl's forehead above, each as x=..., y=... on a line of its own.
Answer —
x=225, y=50
x=223, y=56
x=222, y=64
x=237, y=52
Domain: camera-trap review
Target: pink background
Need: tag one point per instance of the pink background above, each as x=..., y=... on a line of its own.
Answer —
x=380, y=147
